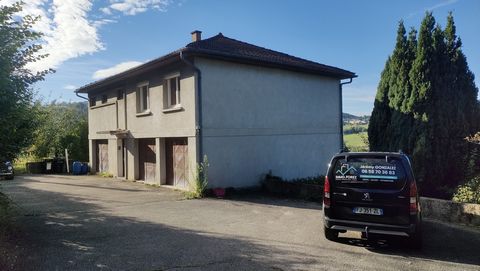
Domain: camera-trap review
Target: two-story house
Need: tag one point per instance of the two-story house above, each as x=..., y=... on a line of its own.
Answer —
x=251, y=110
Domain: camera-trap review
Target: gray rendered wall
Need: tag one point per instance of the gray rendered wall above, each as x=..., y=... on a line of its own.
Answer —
x=259, y=119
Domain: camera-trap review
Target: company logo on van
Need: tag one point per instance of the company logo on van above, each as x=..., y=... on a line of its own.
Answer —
x=346, y=172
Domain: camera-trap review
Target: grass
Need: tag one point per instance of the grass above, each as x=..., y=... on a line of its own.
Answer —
x=199, y=184
x=356, y=142
x=349, y=127
x=20, y=164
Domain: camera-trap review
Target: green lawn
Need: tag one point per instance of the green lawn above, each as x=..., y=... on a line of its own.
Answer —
x=356, y=142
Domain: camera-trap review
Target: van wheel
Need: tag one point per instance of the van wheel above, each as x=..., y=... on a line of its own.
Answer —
x=330, y=234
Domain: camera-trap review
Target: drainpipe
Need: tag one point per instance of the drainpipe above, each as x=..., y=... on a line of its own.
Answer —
x=78, y=95
x=342, y=143
x=198, y=96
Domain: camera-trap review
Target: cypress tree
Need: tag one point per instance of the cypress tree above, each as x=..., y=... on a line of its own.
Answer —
x=421, y=78
x=464, y=117
x=400, y=89
x=380, y=119
x=426, y=105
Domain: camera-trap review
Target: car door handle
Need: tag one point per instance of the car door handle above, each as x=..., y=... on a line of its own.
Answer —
x=341, y=194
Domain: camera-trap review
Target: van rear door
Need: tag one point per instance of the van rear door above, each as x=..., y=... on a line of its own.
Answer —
x=371, y=189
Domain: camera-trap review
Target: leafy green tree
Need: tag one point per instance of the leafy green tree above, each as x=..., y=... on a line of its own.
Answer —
x=62, y=126
x=18, y=47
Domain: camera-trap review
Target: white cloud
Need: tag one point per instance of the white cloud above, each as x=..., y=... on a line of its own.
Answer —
x=70, y=87
x=442, y=4
x=132, y=7
x=434, y=7
x=68, y=31
x=115, y=69
x=106, y=10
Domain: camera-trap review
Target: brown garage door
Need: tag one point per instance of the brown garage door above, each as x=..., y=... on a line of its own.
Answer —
x=147, y=159
x=102, y=155
x=177, y=161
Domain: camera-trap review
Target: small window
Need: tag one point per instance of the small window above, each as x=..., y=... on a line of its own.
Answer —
x=120, y=94
x=104, y=99
x=173, y=87
x=143, y=100
x=93, y=101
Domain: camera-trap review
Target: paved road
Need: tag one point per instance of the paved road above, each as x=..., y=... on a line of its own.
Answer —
x=90, y=223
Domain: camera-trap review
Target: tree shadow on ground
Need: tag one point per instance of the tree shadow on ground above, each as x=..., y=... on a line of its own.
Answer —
x=443, y=242
x=268, y=199
x=89, y=238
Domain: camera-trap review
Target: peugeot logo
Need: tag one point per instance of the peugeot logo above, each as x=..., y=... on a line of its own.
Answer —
x=366, y=196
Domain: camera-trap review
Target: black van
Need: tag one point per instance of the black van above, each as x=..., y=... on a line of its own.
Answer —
x=374, y=193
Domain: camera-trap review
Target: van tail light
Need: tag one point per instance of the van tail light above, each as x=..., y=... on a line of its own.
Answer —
x=413, y=198
x=326, y=193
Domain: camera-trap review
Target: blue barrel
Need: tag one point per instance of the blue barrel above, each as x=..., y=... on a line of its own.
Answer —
x=84, y=168
x=77, y=168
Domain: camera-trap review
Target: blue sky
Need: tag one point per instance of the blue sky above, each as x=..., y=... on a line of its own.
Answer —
x=354, y=35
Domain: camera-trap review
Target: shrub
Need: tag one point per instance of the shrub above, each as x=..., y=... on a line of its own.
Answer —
x=469, y=192
x=200, y=181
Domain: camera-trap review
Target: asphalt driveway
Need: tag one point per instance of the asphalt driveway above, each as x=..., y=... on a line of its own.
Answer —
x=93, y=223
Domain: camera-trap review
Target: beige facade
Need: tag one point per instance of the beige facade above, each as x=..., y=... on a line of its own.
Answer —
x=119, y=120
x=254, y=120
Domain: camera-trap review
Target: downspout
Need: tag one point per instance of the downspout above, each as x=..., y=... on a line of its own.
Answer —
x=198, y=106
x=342, y=142
x=78, y=95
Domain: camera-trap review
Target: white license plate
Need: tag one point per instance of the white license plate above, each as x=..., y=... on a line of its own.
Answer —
x=367, y=211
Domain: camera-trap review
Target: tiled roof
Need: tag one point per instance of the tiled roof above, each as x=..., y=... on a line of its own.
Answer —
x=228, y=49
x=222, y=46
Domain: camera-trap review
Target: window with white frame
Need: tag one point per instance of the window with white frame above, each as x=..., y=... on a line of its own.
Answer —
x=173, y=90
x=143, y=97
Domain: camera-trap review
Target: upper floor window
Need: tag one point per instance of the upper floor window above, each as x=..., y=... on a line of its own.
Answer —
x=104, y=98
x=173, y=88
x=143, y=97
x=93, y=101
x=119, y=94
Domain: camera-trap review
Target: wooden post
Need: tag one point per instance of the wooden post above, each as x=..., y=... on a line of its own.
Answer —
x=66, y=160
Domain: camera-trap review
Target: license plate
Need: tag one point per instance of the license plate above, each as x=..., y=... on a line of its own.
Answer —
x=367, y=211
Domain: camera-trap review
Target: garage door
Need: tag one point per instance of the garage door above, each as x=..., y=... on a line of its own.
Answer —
x=177, y=161
x=102, y=155
x=147, y=159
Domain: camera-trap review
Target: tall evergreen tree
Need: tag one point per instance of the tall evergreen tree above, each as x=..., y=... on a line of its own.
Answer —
x=426, y=105
x=399, y=89
x=381, y=114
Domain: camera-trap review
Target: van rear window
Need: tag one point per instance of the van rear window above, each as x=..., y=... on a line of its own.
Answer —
x=366, y=172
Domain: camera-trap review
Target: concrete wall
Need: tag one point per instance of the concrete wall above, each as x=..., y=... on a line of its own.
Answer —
x=159, y=123
x=449, y=211
x=259, y=119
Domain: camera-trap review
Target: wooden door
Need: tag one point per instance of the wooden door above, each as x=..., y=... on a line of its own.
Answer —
x=147, y=159
x=177, y=161
x=102, y=156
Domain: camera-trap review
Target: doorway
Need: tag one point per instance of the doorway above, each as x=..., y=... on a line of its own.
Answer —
x=147, y=159
x=176, y=161
x=102, y=155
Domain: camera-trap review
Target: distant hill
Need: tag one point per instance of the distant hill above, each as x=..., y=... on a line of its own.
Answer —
x=352, y=119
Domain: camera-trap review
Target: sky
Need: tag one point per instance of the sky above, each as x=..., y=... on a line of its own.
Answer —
x=88, y=40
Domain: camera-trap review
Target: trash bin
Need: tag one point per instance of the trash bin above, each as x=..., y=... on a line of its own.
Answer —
x=48, y=166
x=84, y=168
x=58, y=166
x=77, y=168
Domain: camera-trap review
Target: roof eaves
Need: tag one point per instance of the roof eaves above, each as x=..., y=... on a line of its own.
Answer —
x=130, y=72
x=326, y=71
